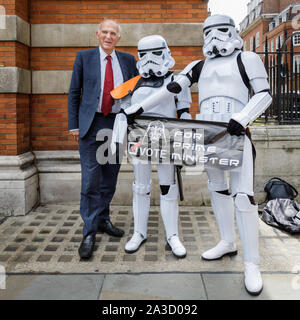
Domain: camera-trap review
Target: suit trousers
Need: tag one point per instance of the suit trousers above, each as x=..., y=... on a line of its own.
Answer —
x=98, y=181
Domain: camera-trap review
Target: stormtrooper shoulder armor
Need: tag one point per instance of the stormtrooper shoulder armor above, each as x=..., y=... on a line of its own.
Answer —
x=262, y=99
x=189, y=67
x=254, y=66
x=189, y=75
x=192, y=71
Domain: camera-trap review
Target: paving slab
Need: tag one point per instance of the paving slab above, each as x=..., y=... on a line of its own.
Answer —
x=14, y=285
x=47, y=241
x=52, y=287
x=231, y=287
x=153, y=287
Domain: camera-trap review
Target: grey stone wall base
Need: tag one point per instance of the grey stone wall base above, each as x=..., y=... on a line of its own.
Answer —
x=18, y=184
x=278, y=154
x=60, y=178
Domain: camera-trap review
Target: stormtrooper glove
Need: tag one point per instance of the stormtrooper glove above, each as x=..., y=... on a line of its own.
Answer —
x=235, y=128
x=132, y=112
x=184, y=114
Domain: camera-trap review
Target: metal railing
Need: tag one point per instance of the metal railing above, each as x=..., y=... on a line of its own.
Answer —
x=284, y=79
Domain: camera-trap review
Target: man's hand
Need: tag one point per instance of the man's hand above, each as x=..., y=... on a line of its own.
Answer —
x=234, y=128
x=75, y=134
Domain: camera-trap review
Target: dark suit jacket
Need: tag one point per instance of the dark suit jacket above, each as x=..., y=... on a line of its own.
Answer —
x=86, y=85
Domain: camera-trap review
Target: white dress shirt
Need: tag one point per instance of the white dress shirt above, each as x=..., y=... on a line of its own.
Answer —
x=118, y=77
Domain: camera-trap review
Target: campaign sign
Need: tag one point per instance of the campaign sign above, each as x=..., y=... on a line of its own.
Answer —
x=184, y=143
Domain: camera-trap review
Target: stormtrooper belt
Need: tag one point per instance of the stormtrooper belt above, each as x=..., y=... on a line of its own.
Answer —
x=220, y=105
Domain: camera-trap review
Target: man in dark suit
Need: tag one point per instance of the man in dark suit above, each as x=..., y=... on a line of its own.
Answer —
x=90, y=108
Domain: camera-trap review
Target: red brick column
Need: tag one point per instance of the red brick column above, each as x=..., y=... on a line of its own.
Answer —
x=14, y=107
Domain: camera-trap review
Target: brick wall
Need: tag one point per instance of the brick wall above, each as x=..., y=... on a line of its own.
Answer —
x=14, y=124
x=282, y=29
x=40, y=121
x=16, y=7
x=63, y=58
x=270, y=6
x=285, y=3
x=14, y=54
x=49, y=121
x=262, y=28
x=129, y=11
x=276, y=6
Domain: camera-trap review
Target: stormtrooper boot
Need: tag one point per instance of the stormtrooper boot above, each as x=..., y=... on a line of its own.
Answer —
x=247, y=221
x=141, y=207
x=223, y=208
x=169, y=213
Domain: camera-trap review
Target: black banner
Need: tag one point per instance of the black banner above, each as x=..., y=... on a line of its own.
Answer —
x=185, y=143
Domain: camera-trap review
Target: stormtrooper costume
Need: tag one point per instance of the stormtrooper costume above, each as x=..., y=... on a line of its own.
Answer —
x=224, y=79
x=154, y=63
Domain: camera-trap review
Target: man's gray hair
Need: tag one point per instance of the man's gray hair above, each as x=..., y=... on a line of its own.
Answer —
x=107, y=19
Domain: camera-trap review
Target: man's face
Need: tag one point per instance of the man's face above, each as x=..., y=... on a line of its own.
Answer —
x=108, y=36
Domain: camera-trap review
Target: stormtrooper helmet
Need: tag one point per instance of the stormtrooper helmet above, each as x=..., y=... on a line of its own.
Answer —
x=154, y=56
x=221, y=37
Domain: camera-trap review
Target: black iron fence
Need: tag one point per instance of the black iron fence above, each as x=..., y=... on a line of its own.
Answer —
x=284, y=78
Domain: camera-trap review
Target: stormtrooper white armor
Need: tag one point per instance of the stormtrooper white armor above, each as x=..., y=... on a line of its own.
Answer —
x=153, y=65
x=224, y=80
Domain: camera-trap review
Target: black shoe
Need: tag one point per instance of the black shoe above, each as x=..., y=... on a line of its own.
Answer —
x=107, y=227
x=86, y=247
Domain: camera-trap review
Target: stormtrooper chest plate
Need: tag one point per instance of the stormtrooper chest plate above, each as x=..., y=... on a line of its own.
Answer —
x=220, y=77
x=166, y=107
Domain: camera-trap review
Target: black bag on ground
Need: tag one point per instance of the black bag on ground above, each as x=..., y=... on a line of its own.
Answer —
x=278, y=188
x=283, y=214
x=281, y=211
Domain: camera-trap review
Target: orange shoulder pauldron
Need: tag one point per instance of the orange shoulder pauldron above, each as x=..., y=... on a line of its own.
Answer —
x=124, y=89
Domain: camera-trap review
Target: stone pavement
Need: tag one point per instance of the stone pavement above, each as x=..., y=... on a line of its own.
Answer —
x=39, y=254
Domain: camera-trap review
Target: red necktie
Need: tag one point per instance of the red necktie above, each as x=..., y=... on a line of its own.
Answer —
x=107, y=100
